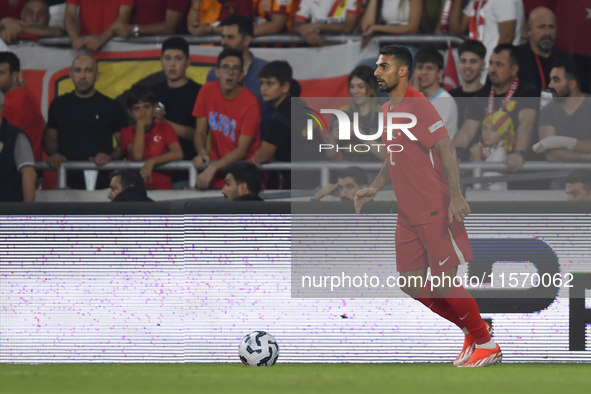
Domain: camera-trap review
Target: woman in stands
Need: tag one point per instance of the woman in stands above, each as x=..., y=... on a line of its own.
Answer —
x=363, y=89
x=391, y=17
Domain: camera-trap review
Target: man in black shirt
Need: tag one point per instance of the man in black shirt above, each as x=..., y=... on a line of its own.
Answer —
x=537, y=56
x=472, y=54
x=243, y=182
x=81, y=125
x=178, y=95
x=127, y=186
x=276, y=80
x=506, y=94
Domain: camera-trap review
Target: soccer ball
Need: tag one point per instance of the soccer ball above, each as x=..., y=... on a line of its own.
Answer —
x=258, y=349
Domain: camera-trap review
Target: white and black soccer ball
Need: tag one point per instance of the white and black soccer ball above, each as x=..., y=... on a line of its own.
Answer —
x=258, y=349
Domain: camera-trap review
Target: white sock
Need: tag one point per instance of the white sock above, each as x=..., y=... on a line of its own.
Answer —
x=465, y=331
x=489, y=345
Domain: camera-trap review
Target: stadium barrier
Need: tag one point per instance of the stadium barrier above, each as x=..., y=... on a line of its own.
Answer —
x=414, y=39
x=325, y=168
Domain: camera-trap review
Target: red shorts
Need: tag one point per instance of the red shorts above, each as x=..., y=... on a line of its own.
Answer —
x=440, y=245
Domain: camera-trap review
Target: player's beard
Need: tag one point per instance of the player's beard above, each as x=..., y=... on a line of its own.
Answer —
x=386, y=87
x=84, y=92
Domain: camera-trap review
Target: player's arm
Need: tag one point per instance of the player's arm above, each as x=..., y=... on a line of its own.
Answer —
x=507, y=31
x=458, y=20
x=181, y=131
x=202, y=159
x=93, y=43
x=29, y=180
x=465, y=134
x=264, y=154
x=365, y=195
x=274, y=26
x=458, y=207
x=205, y=177
x=43, y=30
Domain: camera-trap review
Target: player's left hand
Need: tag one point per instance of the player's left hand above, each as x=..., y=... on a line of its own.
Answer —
x=146, y=171
x=122, y=29
x=93, y=44
x=458, y=209
x=205, y=177
x=100, y=159
x=514, y=161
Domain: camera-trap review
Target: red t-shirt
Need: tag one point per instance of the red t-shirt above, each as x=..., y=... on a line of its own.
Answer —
x=98, y=16
x=148, y=12
x=156, y=141
x=417, y=172
x=228, y=120
x=11, y=11
x=22, y=110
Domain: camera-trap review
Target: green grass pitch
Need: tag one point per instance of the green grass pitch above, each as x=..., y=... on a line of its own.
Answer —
x=293, y=378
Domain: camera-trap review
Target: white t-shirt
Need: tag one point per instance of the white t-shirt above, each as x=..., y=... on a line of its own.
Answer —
x=484, y=24
x=328, y=11
x=396, y=12
x=447, y=108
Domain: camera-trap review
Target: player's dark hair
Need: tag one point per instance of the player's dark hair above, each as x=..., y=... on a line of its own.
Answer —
x=358, y=174
x=365, y=73
x=129, y=178
x=401, y=53
x=14, y=64
x=178, y=43
x=246, y=172
x=227, y=52
x=580, y=176
x=513, y=58
x=429, y=56
x=140, y=94
x=279, y=69
x=571, y=71
x=295, y=89
x=245, y=25
x=473, y=46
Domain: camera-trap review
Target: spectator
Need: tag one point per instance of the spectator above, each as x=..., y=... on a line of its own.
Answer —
x=155, y=17
x=537, y=57
x=578, y=185
x=391, y=17
x=564, y=123
x=237, y=33
x=429, y=70
x=149, y=140
x=498, y=138
x=333, y=17
x=491, y=22
x=97, y=20
x=472, y=54
x=127, y=186
x=81, y=125
x=34, y=19
x=178, y=95
x=21, y=107
x=205, y=15
x=350, y=181
x=232, y=113
x=276, y=80
x=506, y=94
x=17, y=164
x=363, y=88
x=273, y=16
x=242, y=182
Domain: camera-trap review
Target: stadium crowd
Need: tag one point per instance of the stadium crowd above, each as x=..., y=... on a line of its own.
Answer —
x=520, y=98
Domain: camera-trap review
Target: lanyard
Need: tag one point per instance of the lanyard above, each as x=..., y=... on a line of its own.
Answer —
x=541, y=70
x=508, y=95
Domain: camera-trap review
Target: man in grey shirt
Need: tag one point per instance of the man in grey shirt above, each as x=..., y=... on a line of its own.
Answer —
x=17, y=171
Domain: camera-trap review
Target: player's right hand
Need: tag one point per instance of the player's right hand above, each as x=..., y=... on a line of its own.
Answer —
x=363, y=196
x=201, y=161
x=55, y=160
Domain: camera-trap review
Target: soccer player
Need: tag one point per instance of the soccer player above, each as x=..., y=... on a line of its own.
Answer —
x=429, y=231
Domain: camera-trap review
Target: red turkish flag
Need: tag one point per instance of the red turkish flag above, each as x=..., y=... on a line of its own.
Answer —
x=573, y=22
x=451, y=80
